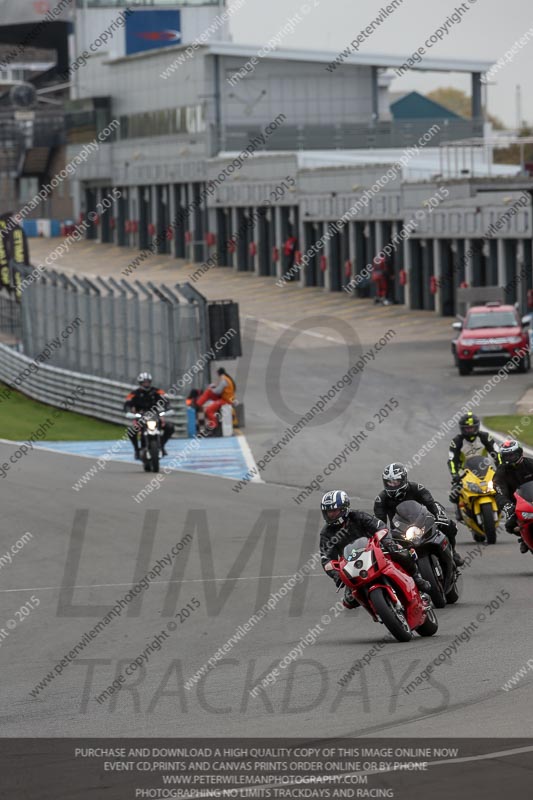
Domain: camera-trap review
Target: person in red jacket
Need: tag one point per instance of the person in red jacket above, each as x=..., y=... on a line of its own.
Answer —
x=221, y=393
x=380, y=275
x=289, y=251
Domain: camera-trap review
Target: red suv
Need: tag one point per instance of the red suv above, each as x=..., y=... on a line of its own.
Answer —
x=490, y=336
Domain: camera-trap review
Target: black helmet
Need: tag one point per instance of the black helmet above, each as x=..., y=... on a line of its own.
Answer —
x=142, y=378
x=395, y=480
x=335, y=506
x=469, y=425
x=511, y=453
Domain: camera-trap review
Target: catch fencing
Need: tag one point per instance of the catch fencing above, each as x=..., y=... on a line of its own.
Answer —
x=10, y=319
x=125, y=327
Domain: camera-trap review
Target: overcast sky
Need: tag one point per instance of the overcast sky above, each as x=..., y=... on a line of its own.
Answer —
x=486, y=32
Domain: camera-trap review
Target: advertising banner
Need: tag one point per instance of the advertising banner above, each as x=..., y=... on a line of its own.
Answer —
x=149, y=30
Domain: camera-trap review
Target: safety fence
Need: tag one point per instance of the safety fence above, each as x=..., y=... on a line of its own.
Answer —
x=122, y=327
x=86, y=394
x=10, y=316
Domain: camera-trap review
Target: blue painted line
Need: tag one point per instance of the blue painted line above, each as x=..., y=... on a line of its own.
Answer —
x=228, y=457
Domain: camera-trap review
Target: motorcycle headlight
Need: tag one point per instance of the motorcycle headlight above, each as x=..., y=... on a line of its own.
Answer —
x=527, y=514
x=151, y=425
x=490, y=486
x=413, y=533
x=474, y=487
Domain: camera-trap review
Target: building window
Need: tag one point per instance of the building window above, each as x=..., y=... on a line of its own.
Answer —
x=165, y=122
x=28, y=189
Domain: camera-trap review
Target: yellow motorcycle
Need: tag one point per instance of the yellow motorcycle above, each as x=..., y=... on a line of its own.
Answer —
x=477, y=500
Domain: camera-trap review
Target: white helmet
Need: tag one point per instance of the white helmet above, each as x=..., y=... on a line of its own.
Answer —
x=142, y=377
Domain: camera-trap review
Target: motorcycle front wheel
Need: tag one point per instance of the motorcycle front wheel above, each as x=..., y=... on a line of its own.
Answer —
x=154, y=455
x=427, y=570
x=488, y=524
x=389, y=616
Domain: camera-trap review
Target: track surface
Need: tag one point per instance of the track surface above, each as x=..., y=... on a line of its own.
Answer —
x=465, y=697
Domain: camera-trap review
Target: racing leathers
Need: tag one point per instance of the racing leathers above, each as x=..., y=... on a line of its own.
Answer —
x=385, y=508
x=507, y=479
x=461, y=448
x=141, y=401
x=333, y=540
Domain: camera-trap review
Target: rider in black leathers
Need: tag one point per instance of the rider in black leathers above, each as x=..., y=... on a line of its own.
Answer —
x=398, y=488
x=147, y=398
x=513, y=471
x=343, y=527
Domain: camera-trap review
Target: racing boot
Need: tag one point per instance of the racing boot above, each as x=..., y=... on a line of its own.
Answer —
x=457, y=560
x=421, y=584
x=523, y=546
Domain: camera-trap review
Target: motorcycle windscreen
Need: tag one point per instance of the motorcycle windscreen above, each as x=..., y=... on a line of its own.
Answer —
x=355, y=548
x=526, y=492
x=478, y=465
x=411, y=514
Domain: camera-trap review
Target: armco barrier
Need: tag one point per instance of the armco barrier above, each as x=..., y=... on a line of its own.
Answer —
x=102, y=398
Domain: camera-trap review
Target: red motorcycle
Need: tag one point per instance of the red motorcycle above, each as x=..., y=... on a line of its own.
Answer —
x=387, y=592
x=524, y=513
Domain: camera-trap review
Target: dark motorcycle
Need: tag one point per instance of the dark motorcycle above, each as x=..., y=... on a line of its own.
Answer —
x=416, y=528
x=149, y=427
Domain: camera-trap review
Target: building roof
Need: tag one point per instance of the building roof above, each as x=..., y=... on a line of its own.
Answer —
x=320, y=56
x=414, y=105
x=357, y=59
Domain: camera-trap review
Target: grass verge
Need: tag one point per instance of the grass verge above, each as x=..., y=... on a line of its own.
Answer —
x=20, y=416
x=505, y=424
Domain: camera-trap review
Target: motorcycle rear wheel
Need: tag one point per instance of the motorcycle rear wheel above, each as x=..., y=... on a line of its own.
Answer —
x=385, y=610
x=488, y=524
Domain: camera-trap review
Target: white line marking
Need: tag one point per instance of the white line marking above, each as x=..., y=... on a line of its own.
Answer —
x=164, y=583
x=250, y=460
x=272, y=324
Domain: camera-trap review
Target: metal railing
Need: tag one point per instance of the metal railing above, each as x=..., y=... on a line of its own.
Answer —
x=351, y=136
x=99, y=398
